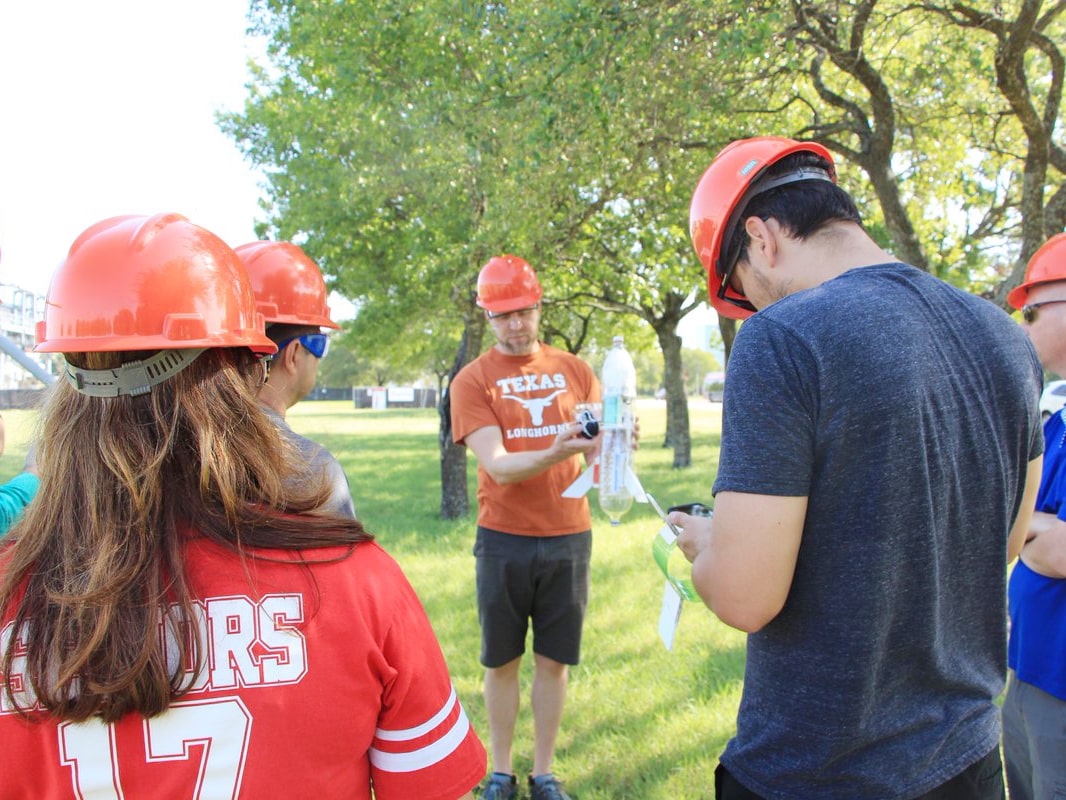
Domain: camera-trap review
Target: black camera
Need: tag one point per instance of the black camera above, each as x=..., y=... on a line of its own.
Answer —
x=589, y=426
x=693, y=509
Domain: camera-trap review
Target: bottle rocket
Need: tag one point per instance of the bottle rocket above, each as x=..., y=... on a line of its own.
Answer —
x=619, y=380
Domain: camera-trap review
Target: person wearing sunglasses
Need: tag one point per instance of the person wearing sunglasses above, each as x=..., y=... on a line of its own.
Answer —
x=880, y=454
x=1034, y=709
x=291, y=295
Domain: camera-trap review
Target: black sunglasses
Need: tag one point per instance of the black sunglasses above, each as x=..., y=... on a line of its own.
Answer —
x=1029, y=312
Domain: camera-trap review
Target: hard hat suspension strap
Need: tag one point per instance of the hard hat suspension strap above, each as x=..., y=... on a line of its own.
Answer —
x=134, y=378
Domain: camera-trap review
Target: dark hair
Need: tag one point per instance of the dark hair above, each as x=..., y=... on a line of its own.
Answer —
x=98, y=561
x=278, y=332
x=801, y=208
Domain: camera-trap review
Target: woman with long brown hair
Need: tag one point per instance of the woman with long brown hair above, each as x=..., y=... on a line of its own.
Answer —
x=176, y=619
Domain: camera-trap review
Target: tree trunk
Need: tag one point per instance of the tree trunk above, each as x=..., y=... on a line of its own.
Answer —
x=454, y=497
x=872, y=122
x=1013, y=44
x=454, y=500
x=677, y=423
x=728, y=328
x=1035, y=103
x=908, y=248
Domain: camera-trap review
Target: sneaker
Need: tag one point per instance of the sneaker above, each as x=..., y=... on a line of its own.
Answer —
x=498, y=786
x=546, y=787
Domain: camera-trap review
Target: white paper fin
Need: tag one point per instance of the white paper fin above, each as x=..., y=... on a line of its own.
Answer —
x=633, y=484
x=584, y=482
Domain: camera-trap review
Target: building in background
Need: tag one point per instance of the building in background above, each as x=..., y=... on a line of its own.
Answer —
x=19, y=311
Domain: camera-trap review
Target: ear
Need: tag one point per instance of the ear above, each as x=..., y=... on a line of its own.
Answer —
x=286, y=359
x=763, y=240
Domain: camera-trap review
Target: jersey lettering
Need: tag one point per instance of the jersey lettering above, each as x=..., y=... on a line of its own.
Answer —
x=213, y=731
x=244, y=642
x=248, y=648
x=20, y=687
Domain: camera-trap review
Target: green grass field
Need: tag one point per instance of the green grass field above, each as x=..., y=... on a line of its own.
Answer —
x=641, y=723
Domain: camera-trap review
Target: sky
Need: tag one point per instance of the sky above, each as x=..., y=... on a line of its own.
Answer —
x=107, y=107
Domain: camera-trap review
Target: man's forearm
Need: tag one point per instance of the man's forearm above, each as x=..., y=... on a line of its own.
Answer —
x=519, y=466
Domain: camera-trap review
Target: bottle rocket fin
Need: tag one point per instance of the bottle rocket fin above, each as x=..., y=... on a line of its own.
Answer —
x=633, y=484
x=585, y=481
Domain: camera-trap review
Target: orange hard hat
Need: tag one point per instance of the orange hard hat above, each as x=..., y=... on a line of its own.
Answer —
x=721, y=195
x=507, y=283
x=1047, y=265
x=150, y=283
x=288, y=285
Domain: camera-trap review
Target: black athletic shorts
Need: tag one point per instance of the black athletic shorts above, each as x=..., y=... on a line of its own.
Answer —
x=539, y=578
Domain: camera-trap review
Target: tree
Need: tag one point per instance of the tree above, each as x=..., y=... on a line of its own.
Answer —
x=405, y=143
x=347, y=364
x=902, y=91
x=379, y=157
x=626, y=79
x=340, y=367
x=649, y=366
x=406, y=148
x=1029, y=69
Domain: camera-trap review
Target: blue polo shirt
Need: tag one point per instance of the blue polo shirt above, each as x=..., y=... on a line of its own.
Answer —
x=1037, y=648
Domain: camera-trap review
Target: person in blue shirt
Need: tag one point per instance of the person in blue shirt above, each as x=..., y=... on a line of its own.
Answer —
x=880, y=458
x=17, y=493
x=1034, y=710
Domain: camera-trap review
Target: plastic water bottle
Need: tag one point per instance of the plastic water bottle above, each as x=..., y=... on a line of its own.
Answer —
x=619, y=379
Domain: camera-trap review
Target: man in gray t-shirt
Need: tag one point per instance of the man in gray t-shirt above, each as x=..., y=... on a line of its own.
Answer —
x=291, y=295
x=881, y=451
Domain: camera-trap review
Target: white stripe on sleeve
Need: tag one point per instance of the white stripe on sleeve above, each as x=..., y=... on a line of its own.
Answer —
x=427, y=756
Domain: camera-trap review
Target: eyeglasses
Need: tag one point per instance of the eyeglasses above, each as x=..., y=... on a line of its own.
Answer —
x=265, y=361
x=727, y=267
x=1029, y=312
x=507, y=316
x=317, y=344
x=726, y=290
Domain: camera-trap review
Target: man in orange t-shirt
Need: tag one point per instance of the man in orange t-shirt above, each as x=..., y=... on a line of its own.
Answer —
x=514, y=407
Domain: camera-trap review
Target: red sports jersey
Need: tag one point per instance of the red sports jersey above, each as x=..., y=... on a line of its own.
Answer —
x=321, y=682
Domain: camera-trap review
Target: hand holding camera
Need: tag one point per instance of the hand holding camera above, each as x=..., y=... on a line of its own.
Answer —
x=590, y=426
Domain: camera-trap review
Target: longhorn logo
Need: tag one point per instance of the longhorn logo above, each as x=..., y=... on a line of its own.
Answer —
x=535, y=405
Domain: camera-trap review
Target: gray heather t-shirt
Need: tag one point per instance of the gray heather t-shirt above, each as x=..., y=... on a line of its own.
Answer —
x=905, y=410
x=320, y=461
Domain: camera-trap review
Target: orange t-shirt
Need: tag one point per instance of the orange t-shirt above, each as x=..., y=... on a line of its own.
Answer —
x=528, y=398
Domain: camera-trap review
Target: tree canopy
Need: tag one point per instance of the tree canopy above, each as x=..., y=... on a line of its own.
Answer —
x=407, y=142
